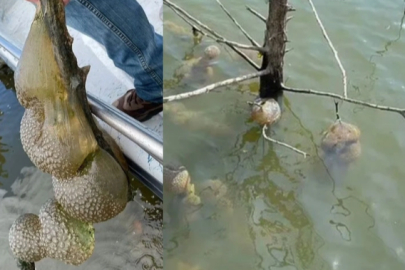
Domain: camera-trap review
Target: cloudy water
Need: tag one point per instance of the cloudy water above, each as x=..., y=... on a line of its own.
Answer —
x=132, y=240
x=275, y=209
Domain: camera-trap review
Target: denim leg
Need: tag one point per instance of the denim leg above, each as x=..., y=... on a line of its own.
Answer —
x=130, y=40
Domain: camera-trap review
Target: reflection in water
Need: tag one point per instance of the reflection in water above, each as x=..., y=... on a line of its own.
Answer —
x=132, y=239
x=289, y=213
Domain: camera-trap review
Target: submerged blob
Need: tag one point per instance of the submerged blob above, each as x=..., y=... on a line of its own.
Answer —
x=265, y=111
x=53, y=234
x=341, y=143
x=176, y=179
x=198, y=70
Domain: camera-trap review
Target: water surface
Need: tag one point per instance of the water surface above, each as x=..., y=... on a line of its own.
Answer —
x=289, y=212
x=132, y=240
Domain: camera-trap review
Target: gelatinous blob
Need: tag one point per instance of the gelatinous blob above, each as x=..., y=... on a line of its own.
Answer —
x=25, y=238
x=60, y=137
x=54, y=130
x=176, y=179
x=98, y=193
x=341, y=141
x=265, y=111
x=198, y=69
x=53, y=234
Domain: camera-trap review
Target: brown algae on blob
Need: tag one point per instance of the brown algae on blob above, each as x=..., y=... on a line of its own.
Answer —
x=265, y=111
x=49, y=132
x=341, y=142
x=61, y=137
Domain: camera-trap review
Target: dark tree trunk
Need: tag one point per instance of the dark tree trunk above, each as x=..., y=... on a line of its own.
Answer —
x=275, y=39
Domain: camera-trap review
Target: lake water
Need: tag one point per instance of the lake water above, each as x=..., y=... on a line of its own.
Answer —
x=288, y=212
x=132, y=240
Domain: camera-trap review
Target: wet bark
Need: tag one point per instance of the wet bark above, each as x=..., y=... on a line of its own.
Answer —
x=274, y=43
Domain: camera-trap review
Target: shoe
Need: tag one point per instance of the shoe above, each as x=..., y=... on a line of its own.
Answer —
x=137, y=108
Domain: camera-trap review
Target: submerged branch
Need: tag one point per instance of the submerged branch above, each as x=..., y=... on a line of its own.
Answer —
x=213, y=35
x=196, y=28
x=335, y=53
x=217, y=37
x=281, y=143
x=254, y=43
x=213, y=86
x=350, y=100
x=257, y=14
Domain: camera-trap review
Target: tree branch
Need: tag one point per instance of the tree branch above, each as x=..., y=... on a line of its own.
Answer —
x=254, y=43
x=257, y=14
x=335, y=53
x=350, y=100
x=281, y=143
x=213, y=86
x=213, y=35
x=217, y=37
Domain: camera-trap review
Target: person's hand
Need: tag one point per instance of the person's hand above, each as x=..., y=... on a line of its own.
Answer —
x=36, y=2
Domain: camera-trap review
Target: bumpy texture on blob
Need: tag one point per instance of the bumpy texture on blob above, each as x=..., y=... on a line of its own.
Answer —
x=25, y=238
x=265, y=111
x=60, y=137
x=342, y=140
x=54, y=131
x=212, y=52
x=176, y=179
x=53, y=234
x=96, y=195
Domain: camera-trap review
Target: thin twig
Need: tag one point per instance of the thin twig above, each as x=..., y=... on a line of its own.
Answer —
x=215, y=85
x=217, y=37
x=332, y=47
x=285, y=88
x=290, y=8
x=350, y=100
x=254, y=43
x=257, y=14
x=183, y=14
x=281, y=143
x=241, y=54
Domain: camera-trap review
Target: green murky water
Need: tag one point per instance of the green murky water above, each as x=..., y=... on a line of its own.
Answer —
x=132, y=240
x=288, y=212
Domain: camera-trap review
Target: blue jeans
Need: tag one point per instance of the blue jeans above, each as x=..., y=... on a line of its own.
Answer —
x=130, y=40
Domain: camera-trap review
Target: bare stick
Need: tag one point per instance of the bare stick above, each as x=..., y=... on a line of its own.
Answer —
x=217, y=37
x=332, y=47
x=254, y=12
x=281, y=143
x=290, y=8
x=254, y=43
x=241, y=54
x=350, y=100
x=214, y=86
